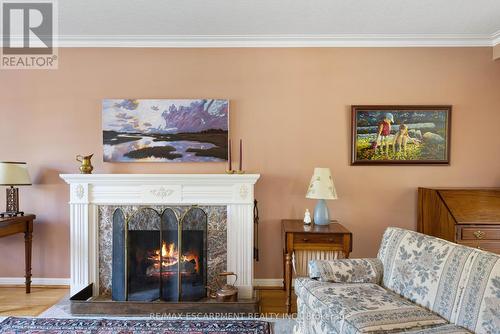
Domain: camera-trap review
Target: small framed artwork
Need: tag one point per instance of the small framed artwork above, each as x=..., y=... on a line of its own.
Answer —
x=409, y=135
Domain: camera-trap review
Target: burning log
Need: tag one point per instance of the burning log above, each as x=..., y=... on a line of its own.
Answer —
x=189, y=262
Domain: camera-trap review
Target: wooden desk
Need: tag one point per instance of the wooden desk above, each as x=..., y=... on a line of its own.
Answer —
x=20, y=224
x=297, y=236
x=467, y=216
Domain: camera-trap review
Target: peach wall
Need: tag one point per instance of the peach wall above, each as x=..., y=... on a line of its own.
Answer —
x=291, y=107
x=496, y=52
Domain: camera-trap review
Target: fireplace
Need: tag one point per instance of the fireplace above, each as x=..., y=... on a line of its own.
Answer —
x=159, y=256
x=91, y=232
x=228, y=200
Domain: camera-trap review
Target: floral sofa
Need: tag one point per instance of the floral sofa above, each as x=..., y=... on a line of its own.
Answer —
x=417, y=284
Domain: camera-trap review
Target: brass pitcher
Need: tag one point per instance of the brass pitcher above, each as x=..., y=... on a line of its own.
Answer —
x=225, y=292
x=86, y=167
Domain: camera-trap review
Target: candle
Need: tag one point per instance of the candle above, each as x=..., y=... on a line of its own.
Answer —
x=229, y=156
x=241, y=156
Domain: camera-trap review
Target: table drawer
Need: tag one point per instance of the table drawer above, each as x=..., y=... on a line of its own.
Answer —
x=480, y=233
x=490, y=246
x=316, y=238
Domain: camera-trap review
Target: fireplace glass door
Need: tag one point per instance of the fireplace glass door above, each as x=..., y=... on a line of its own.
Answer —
x=169, y=256
x=159, y=257
x=143, y=242
x=193, y=271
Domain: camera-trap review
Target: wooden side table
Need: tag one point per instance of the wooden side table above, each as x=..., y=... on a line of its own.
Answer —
x=20, y=224
x=297, y=236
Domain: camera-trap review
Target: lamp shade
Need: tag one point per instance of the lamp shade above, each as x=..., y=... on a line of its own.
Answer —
x=14, y=174
x=321, y=186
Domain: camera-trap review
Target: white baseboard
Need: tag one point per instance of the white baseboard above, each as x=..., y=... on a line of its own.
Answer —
x=265, y=282
x=34, y=281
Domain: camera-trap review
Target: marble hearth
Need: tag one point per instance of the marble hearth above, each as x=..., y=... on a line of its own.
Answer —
x=228, y=200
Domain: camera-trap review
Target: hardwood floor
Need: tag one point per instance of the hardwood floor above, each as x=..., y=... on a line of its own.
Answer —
x=272, y=300
x=15, y=302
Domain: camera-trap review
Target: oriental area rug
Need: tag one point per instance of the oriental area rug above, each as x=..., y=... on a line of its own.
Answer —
x=16, y=325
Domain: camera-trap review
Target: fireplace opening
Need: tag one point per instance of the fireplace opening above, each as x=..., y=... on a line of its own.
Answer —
x=158, y=256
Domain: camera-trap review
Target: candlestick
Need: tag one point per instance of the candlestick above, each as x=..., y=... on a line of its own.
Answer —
x=240, y=169
x=241, y=155
x=229, y=158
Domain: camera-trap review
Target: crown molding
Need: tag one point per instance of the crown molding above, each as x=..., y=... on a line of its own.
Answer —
x=275, y=41
x=495, y=38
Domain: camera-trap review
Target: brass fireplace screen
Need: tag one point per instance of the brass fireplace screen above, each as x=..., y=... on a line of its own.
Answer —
x=159, y=255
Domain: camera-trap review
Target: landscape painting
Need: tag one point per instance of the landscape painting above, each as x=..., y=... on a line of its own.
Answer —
x=400, y=135
x=165, y=130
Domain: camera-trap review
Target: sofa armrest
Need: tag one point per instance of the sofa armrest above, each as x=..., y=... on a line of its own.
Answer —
x=347, y=270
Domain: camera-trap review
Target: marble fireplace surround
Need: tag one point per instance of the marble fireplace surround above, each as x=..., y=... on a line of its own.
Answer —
x=88, y=192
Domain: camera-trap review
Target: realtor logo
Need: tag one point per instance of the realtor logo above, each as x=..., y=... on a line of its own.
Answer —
x=28, y=30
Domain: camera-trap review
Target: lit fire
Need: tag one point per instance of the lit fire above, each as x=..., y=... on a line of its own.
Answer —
x=170, y=257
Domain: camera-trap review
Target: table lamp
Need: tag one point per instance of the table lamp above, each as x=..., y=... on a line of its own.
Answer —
x=321, y=188
x=13, y=174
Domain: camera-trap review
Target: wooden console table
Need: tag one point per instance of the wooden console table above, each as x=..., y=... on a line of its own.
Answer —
x=297, y=236
x=20, y=224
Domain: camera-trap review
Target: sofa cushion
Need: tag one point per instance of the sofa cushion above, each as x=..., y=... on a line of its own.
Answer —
x=362, y=307
x=309, y=323
x=461, y=284
x=479, y=307
x=441, y=329
x=347, y=270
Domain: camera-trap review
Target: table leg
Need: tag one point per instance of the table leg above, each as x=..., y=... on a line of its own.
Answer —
x=27, y=257
x=346, y=245
x=284, y=269
x=288, y=282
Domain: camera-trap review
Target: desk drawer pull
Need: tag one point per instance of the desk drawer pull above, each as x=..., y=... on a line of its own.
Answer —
x=305, y=239
x=479, y=234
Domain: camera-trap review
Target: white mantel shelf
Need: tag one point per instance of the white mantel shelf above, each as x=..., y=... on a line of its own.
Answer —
x=179, y=178
x=161, y=188
x=88, y=191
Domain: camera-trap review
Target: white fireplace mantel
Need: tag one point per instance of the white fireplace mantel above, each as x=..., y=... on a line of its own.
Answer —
x=88, y=191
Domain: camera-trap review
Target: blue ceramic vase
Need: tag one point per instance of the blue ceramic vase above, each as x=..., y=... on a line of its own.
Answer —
x=321, y=214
